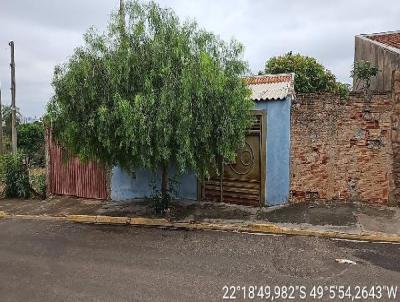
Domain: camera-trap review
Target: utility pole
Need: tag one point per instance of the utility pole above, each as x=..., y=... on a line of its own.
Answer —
x=1, y=125
x=13, y=108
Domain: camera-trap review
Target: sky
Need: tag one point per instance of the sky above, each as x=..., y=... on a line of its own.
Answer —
x=47, y=31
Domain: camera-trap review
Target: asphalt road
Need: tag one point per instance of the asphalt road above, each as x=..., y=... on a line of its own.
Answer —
x=59, y=261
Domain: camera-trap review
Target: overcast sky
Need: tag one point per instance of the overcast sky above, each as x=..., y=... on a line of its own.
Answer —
x=46, y=32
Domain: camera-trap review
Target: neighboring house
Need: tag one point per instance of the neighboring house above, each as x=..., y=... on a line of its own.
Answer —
x=383, y=51
x=259, y=176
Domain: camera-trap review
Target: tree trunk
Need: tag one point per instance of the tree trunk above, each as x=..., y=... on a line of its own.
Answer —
x=164, y=182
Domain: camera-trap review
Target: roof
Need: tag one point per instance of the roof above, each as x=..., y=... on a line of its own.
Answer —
x=389, y=40
x=271, y=86
x=392, y=39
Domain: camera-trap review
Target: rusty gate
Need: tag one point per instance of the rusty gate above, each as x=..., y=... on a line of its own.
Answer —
x=73, y=177
x=242, y=181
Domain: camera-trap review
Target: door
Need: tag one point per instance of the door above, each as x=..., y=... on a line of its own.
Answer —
x=242, y=181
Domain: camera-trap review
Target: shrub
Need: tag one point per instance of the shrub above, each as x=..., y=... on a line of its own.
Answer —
x=15, y=176
x=31, y=143
x=343, y=90
x=38, y=183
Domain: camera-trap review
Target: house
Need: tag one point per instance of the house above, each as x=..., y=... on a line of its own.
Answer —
x=383, y=51
x=259, y=176
x=301, y=148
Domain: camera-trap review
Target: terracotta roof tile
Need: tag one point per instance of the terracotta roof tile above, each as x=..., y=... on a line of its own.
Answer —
x=391, y=39
x=268, y=79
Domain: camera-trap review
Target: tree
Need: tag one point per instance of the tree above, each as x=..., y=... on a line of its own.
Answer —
x=152, y=91
x=31, y=142
x=364, y=71
x=310, y=76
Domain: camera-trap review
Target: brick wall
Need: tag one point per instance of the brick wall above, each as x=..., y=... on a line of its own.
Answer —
x=395, y=183
x=343, y=150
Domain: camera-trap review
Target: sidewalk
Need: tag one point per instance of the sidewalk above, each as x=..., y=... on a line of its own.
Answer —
x=333, y=220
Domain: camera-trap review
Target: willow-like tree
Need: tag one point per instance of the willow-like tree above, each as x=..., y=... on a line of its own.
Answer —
x=152, y=91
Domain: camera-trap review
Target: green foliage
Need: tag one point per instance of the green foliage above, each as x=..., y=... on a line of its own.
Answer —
x=38, y=183
x=15, y=176
x=310, y=76
x=151, y=91
x=364, y=71
x=343, y=90
x=31, y=143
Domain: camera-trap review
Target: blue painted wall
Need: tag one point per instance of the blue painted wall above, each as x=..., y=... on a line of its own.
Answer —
x=277, y=180
x=127, y=185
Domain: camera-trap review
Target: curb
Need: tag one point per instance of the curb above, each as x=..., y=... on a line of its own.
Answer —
x=259, y=228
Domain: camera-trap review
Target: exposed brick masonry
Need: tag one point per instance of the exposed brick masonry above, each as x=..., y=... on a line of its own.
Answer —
x=395, y=185
x=344, y=150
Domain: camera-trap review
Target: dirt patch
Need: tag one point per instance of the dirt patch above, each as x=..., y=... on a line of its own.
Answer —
x=70, y=206
x=376, y=211
x=201, y=211
x=336, y=214
x=131, y=209
x=184, y=210
x=52, y=207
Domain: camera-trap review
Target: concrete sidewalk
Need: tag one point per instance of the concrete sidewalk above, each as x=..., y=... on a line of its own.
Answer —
x=333, y=220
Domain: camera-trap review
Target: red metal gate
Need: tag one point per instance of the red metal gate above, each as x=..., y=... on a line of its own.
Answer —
x=73, y=177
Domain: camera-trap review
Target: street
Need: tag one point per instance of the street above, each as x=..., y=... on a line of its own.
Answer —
x=60, y=261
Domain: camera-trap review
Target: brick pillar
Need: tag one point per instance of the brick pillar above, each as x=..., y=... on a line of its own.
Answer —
x=395, y=183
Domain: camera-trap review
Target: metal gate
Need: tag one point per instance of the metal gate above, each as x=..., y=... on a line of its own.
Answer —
x=73, y=177
x=243, y=181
